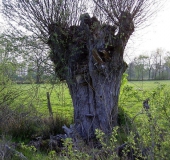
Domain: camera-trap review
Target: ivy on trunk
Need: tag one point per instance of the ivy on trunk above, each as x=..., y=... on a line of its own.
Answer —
x=89, y=57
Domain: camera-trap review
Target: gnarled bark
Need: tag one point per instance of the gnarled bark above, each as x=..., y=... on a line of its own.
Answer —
x=90, y=58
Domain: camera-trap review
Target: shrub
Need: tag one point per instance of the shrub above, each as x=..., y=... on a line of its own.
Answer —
x=53, y=125
x=8, y=150
x=21, y=122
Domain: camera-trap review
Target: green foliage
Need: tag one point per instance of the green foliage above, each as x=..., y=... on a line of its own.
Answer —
x=31, y=153
x=145, y=132
x=148, y=129
x=21, y=123
x=8, y=92
x=72, y=152
x=21, y=119
x=108, y=143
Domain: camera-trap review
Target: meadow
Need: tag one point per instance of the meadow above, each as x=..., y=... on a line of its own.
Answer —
x=132, y=95
x=148, y=85
x=61, y=102
x=36, y=94
x=152, y=126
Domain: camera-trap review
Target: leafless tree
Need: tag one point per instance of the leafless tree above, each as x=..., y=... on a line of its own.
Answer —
x=37, y=60
x=157, y=58
x=87, y=51
x=36, y=15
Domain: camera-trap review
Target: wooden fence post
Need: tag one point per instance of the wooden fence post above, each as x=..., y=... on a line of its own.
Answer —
x=49, y=105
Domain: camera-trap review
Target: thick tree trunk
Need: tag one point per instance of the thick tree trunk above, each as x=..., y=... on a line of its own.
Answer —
x=93, y=66
x=95, y=101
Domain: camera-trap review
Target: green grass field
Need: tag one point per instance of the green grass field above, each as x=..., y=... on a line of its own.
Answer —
x=134, y=93
x=148, y=85
x=131, y=99
x=61, y=101
x=36, y=95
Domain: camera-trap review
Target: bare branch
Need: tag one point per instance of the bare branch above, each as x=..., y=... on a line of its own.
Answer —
x=36, y=16
x=140, y=10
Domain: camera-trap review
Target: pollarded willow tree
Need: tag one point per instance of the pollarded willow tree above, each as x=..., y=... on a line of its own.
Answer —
x=87, y=51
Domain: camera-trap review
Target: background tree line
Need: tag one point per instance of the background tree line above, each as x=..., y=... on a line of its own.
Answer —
x=25, y=60
x=25, y=65
x=29, y=64
x=150, y=67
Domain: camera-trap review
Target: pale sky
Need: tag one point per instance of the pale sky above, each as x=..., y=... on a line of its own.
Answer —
x=156, y=35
